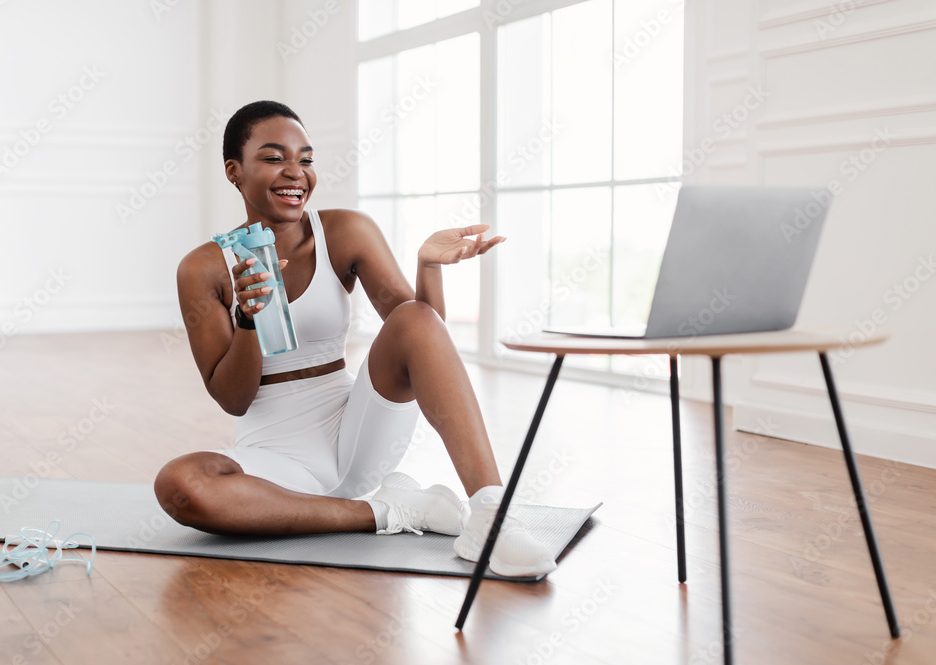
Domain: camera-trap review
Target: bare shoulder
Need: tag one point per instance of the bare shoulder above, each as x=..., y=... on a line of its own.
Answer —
x=346, y=222
x=349, y=233
x=203, y=269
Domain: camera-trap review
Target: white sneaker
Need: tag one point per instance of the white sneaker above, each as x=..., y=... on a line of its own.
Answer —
x=516, y=554
x=412, y=508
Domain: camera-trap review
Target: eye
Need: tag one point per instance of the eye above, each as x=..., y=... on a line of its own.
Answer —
x=308, y=161
x=272, y=159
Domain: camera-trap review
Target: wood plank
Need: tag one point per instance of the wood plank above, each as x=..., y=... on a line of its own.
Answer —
x=614, y=598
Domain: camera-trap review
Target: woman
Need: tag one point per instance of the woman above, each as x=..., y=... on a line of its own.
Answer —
x=310, y=437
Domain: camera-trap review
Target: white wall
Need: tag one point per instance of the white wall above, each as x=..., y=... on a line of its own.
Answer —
x=110, y=187
x=841, y=94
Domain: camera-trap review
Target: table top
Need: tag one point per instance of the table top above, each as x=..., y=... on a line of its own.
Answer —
x=781, y=341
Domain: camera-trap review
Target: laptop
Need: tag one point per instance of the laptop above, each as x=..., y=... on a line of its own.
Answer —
x=737, y=260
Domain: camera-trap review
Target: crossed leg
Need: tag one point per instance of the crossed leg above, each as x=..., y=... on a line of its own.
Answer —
x=412, y=357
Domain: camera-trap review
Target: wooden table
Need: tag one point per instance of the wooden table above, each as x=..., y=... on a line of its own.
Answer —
x=713, y=346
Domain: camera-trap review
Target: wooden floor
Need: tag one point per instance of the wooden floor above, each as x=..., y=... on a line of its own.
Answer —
x=117, y=406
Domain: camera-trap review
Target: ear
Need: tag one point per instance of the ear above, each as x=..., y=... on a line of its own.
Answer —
x=232, y=171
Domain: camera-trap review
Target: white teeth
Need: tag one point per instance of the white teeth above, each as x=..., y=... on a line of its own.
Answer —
x=289, y=192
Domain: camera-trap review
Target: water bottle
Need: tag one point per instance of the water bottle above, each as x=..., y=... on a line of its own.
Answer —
x=274, y=324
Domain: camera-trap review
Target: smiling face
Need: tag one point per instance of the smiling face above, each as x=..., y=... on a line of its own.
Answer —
x=275, y=174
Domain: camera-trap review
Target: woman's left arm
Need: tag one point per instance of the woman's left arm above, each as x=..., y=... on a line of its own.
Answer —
x=380, y=275
x=444, y=247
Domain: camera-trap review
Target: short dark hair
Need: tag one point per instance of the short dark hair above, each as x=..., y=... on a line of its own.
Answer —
x=237, y=130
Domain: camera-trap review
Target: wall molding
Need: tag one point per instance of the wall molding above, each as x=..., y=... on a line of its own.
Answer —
x=739, y=137
x=851, y=143
x=122, y=187
x=727, y=163
x=728, y=78
x=126, y=136
x=854, y=392
x=847, y=112
x=778, y=19
x=857, y=38
x=731, y=54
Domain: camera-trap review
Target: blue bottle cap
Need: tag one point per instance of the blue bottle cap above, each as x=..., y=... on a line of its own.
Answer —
x=252, y=237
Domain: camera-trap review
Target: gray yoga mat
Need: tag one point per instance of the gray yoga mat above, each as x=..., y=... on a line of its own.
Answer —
x=126, y=516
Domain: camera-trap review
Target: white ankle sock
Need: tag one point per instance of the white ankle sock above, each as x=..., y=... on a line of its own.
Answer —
x=486, y=496
x=380, y=513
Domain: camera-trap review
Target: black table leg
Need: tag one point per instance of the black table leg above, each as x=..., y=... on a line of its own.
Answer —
x=727, y=645
x=677, y=471
x=860, y=499
x=482, y=564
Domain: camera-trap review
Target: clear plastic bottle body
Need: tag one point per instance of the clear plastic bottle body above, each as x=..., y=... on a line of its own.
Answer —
x=275, y=330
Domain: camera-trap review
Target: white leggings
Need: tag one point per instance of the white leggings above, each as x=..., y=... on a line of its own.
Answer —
x=332, y=435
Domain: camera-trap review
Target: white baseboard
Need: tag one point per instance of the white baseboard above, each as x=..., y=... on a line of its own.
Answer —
x=867, y=437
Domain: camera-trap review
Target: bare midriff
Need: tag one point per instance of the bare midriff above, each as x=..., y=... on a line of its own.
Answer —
x=304, y=373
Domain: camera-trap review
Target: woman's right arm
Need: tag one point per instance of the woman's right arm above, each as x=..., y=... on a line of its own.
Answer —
x=228, y=357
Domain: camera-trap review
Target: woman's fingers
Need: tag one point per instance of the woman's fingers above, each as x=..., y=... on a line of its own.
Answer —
x=243, y=282
x=240, y=267
x=473, y=229
x=476, y=247
x=251, y=311
x=252, y=294
x=244, y=293
x=496, y=240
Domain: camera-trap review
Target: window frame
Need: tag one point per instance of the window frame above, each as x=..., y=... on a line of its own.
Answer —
x=485, y=20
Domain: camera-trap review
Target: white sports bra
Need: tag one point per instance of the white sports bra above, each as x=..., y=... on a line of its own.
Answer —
x=321, y=315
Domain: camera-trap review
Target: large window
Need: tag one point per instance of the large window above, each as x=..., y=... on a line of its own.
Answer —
x=418, y=130
x=379, y=17
x=585, y=153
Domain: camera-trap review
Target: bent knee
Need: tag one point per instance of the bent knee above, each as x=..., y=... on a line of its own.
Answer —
x=181, y=486
x=414, y=313
x=177, y=492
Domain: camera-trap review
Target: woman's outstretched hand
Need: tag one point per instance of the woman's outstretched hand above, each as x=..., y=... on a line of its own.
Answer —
x=454, y=245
